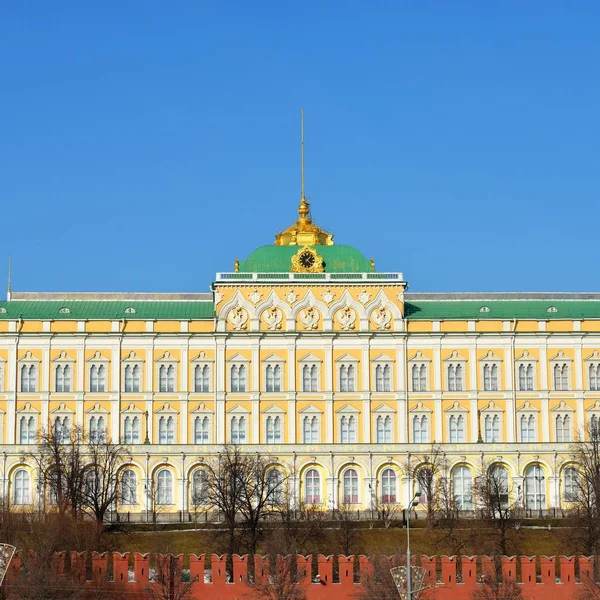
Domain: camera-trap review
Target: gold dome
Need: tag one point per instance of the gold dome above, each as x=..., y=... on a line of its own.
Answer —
x=304, y=232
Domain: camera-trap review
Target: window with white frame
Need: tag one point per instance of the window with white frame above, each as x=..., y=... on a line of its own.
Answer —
x=63, y=373
x=456, y=426
x=28, y=426
x=237, y=428
x=571, y=484
x=97, y=427
x=310, y=378
x=561, y=368
x=275, y=487
x=498, y=482
x=492, y=423
x=132, y=374
x=347, y=373
x=273, y=429
x=388, y=486
x=22, y=486
x=311, y=429
x=200, y=488
x=420, y=428
x=462, y=488
x=455, y=372
x=594, y=429
x=383, y=427
x=131, y=425
x=29, y=376
x=98, y=378
x=238, y=374
x=128, y=487
x=164, y=487
x=350, y=486
x=562, y=427
x=348, y=426
x=312, y=487
x=166, y=429
x=383, y=375
x=526, y=377
x=490, y=376
x=535, y=488
x=528, y=427
x=202, y=429
x=61, y=428
x=594, y=376
x=418, y=372
x=202, y=378
x=273, y=376
x=166, y=378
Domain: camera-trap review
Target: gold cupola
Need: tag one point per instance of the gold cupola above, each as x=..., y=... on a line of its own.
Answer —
x=303, y=232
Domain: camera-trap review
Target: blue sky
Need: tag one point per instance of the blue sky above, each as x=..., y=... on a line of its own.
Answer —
x=146, y=145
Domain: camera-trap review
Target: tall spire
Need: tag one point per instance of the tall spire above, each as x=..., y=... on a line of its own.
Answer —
x=303, y=231
x=8, y=289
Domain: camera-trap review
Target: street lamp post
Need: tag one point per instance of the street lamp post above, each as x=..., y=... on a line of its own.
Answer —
x=413, y=502
x=539, y=477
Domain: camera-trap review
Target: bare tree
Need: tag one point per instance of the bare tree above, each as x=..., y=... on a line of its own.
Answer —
x=282, y=582
x=494, y=494
x=347, y=536
x=426, y=473
x=379, y=583
x=168, y=579
x=590, y=589
x=492, y=588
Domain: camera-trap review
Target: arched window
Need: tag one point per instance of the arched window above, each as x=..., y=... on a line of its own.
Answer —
x=561, y=377
x=21, y=492
x=490, y=377
x=27, y=430
x=594, y=427
x=571, y=482
x=313, y=487
x=63, y=378
x=350, y=483
x=131, y=430
x=527, y=426
x=274, y=487
x=164, y=490
x=310, y=429
x=420, y=425
x=128, y=487
x=310, y=378
x=166, y=430
x=62, y=429
x=382, y=378
x=238, y=430
x=97, y=434
x=419, y=378
x=384, y=429
x=97, y=378
x=166, y=378
x=388, y=486
x=457, y=429
x=29, y=378
x=535, y=488
x=526, y=377
x=492, y=428
x=201, y=430
x=199, y=488
x=563, y=428
x=273, y=430
x=132, y=378
x=498, y=487
x=455, y=375
x=348, y=429
x=462, y=488
x=347, y=378
x=238, y=378
x=202, y=378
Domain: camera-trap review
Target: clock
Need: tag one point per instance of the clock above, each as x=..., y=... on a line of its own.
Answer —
x=307, y=260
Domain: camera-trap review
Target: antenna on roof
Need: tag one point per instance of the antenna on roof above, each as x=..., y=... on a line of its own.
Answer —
x=8, y=290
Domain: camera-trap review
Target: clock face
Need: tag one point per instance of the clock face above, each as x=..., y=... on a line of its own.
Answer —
x=307, y=259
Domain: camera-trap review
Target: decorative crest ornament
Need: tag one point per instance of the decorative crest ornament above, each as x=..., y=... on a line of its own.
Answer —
x=273, y=318
x=364, y=297
x=346, y=317
x=255, y=297
x=382, y=317
x=309, y=318
x=291, y=296
x=328, y=296
x=238, y=317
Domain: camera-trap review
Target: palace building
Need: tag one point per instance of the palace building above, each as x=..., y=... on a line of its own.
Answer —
x=307, y=353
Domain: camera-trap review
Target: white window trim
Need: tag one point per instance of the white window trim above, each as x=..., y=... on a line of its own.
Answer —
x=97, y=411
x=166, y=360
x=347, y=411
x=202, y=361
x=527, y=409
x=419, y=411
x=345, y=361
x=132, y=360
x=561, y=359
x=273, y=411
x=28, y=411
x=383, y=360
x=29, y=360
x=525, y=359
x=384, y=411
x=97, y=360
x=592, y=360
x=239, y=411
x=62, y=411
x=166, y=411
x=311, y=411
x=490, y=359
x=132, y=411
x=359, y=485
x=310, y=360
x=63, y=360
x=591, y=412
x=201, y=411
x=456, y=410
x=419, y=360
x=492, y=410
x=237, y=361
x=273, y=360
x=563, y=410
x=455, y=359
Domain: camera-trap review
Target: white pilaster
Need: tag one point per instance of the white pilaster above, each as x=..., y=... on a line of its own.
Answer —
x=329, y=421
x=183, y=422
x=255, y=422
x=544, y=367
x=545, y=421
x=366, y=416
x=291, y=417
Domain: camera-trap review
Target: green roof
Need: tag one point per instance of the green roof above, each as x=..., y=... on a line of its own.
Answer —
x=502, y=309
x=278, y=259
x=80, y=310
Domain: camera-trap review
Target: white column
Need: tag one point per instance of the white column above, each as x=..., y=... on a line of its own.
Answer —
x=366, y=417
x=150, y=369
x=150, y=423
x=329, y=421
x=291, y=370
x=580, y=426
x=439, y=423
x=291, y=419
x=115, y=421
x=437, y=367
x=80, y=368
x=544, y=367
x=545, y=416
x=79, y=415
x=46, y=369
x=11, y=406
x=329, y=365
x=472, y=371
x=220, y=424
x=255, y=422
x=366, y=371
x=255, y=387
x=474, y=421
x=184, y=379
x=183, y=422
x=115, y=358
x=578, y=366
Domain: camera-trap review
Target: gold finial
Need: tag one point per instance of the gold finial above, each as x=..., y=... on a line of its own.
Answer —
x=236, y=265
x=372, y=262
x=303, y=232
x=9, y=270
